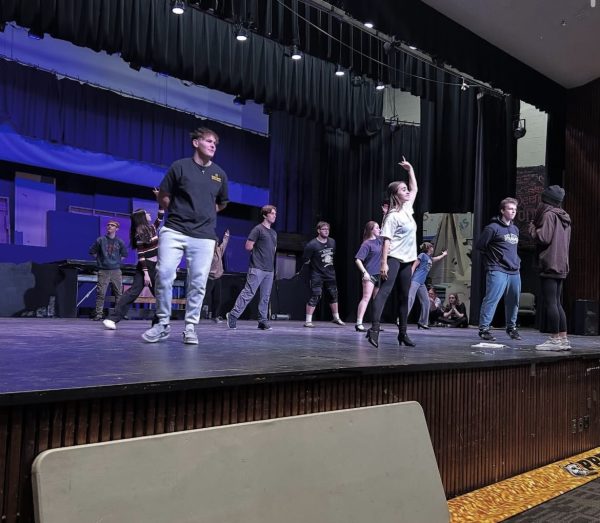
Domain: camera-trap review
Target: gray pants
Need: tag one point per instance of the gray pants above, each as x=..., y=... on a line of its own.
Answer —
x=256, y=280
x=108, y=277
x=420, y=290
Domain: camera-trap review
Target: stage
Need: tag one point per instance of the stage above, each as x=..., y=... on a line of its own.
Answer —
x=491, y=413
x=43, y=359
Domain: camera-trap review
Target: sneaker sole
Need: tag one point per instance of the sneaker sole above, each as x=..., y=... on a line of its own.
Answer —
x=190, y=342
x=154, y=340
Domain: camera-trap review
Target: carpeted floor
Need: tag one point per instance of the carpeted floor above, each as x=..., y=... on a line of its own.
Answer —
x=581, y=505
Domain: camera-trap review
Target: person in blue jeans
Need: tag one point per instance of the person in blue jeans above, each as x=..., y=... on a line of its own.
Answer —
x=498, y=243
x=421, y=267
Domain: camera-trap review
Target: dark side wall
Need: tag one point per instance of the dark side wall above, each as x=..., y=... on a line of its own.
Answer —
x=582, y=184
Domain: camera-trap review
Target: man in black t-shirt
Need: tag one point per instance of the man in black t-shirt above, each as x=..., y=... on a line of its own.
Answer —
x=193, y=191
x=318, y=254
x=262, y=243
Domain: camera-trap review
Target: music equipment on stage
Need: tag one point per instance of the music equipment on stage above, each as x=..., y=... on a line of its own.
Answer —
x=585, y=318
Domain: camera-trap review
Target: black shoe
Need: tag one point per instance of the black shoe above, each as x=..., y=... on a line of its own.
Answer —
x=264, y=326
x=486, y=335
x=231, y=321
x=422, y=326
x=97, y=318
x=373, y=337
x=403, y=339
x=513, y=333
x=359, y=327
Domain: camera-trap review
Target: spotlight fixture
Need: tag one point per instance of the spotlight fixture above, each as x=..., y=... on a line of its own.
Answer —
x=295, y=53
x=519, y=128
x=357, y=80
x=241, y=34
x=369, y=25
x=380, y=86
x=178, y=7
x=412, y=47
x=339, y=71
x=238, y=100
x=464, y=85
x=35, y=34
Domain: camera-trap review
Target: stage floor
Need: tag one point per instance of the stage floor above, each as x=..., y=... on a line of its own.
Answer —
x=44, y=359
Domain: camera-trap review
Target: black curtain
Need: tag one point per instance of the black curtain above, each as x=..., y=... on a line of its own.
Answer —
x=448, y=138
x=203, y=49
x=319, y=173
x=495, y=176
x=296, y=145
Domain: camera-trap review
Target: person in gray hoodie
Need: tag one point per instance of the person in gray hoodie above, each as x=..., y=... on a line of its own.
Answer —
x=551, y=230
x=498, y=243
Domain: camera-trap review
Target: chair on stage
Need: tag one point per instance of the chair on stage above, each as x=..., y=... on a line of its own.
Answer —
x=526, y=308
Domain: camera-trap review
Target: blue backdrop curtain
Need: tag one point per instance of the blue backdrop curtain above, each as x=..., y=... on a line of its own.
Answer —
x=38, y=105
x=202, y=48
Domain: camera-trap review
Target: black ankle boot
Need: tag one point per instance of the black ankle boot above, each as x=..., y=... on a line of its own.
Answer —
x=373, y=337
x=403, y=339
x=422, y=326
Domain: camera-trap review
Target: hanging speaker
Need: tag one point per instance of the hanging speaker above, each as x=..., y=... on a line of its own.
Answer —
x=585, y=318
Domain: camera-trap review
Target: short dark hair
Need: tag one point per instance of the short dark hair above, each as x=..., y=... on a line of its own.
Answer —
x=200, y=132
x=266, y=209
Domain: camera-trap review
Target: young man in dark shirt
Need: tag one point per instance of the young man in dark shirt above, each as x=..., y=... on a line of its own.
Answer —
x=319, y=253
x=108, y=251
x=193, y=191
x=262, y=243
x=498, y=243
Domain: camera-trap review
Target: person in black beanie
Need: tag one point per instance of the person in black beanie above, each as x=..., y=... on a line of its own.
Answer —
x=551, y=230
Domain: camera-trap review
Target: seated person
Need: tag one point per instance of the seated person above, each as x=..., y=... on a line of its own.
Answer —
x=455, y=313
x=435, y=306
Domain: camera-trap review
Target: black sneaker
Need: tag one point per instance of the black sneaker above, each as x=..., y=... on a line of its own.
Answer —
x=513, y=333
x=231, y=321
x=486, y=335
x=264, y=326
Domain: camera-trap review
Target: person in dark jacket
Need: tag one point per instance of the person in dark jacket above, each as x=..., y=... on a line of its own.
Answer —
x=551, y=230
x=108, y=251
x=498, y=243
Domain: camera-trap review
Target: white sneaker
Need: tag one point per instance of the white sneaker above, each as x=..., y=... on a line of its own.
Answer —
x=551, y=344
x=110, y=325
x=189, y=335
x=566, y=344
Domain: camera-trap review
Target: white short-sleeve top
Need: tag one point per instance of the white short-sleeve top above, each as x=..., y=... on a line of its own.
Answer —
x=400, y=228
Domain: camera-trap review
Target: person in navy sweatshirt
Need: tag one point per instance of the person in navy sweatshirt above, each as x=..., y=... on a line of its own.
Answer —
x=498, y=243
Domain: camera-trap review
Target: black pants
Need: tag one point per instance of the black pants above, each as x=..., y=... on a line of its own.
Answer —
x=134, y=291
x=213, y=295
x=403, y=273
x=556, y=319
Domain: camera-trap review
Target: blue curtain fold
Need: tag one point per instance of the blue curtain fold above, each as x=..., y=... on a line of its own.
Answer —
x=38, y=105
x=202, y=48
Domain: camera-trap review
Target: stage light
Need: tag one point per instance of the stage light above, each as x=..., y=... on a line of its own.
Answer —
x=464, y=86
x=238, y=100
x=178, y=7
x=35, y=34
x=369, y=25
x=519, y=128
x=241, y=34
x=380, y=86
x=339, y=71
x=412, y=47
x=295, y=53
